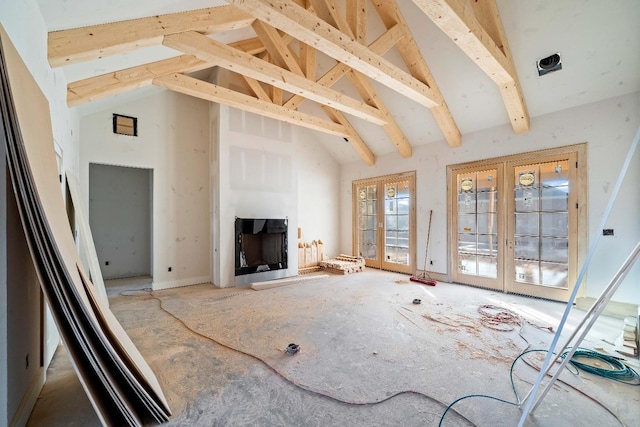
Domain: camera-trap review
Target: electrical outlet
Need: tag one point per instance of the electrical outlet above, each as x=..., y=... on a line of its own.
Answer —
x=106, y=263
x=431, y=262
x=607, y=232
x=169, y=269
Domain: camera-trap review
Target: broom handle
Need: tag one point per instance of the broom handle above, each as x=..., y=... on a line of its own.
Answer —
x=426, y=250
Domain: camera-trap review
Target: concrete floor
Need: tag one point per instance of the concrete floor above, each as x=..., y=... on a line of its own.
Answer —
x=219, y=355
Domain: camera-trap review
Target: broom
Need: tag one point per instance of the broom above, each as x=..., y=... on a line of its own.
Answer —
x=424, y=277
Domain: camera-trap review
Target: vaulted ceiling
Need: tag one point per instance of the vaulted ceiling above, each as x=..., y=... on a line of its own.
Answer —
x=382, y=75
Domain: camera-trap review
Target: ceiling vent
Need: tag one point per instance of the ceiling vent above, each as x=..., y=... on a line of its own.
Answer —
x=549, y=64
x=125, y=125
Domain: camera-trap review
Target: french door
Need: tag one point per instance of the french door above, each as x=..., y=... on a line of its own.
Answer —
x=520, y=222
x=384, y=221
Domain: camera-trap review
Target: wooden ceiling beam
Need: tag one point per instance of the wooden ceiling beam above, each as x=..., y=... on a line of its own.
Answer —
x=458, y=21
x=254, y=86
x=392, y=129
x=412, y=57
x=487, y=14
x=283, y=53
x=98, y=41
x=357, y=19
x=214, y=93
x=332, y=15
x=380, y=46
x=93, y=88
x=308, y=61
x=279, y=51
x=240, y=62
x=305, y=26
x=353, y=137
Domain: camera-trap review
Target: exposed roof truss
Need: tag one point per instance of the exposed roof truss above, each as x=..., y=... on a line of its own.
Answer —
x=278, y=77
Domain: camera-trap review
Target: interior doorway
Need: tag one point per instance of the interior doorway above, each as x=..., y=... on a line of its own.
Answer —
x=120, y=216
x=519, y=222
x=384, y=218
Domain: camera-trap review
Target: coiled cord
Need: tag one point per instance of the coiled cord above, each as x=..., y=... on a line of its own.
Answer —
x=615, y=370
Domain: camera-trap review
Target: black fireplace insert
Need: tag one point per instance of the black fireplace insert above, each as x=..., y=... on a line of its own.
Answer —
x=261, y=245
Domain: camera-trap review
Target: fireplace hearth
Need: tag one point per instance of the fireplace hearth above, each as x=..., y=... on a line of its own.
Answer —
x=261, y=245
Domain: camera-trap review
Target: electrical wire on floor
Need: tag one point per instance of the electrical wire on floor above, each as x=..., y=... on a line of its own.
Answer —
x=302, y=386
x=494, y=316
x=617, y=371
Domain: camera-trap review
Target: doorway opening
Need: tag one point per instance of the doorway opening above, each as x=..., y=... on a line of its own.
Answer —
x=384, y=219
x=519, y=223
x=121, y=219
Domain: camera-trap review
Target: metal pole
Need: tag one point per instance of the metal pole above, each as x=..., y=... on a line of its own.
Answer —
x=599, y=306
x=532, y=393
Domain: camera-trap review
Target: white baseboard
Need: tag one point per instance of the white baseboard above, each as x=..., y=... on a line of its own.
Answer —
x=28, y=401
x=156, y=286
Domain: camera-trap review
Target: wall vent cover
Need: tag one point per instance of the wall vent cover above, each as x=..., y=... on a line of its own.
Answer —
x=125, y=125
x=549, y=64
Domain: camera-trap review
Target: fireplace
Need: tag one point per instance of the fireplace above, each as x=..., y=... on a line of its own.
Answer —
x=261, y=245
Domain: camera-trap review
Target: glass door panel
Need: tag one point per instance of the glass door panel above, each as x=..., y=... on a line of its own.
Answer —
x=476, y=222
x=367, y=235
x=541, y=251
x=516, y=224
x=385, y=220
x=397, y=203
x=541, y=233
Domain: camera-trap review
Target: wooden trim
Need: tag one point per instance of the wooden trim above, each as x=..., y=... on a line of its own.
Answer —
x=241, y=62
x=204, y=90
x=98, y=41
x=305, y=26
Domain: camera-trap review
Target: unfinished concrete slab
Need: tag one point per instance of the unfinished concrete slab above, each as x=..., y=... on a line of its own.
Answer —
x=368, y=356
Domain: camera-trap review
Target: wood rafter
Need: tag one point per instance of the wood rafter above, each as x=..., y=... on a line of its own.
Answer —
x=328, y=11
x=412, y=57
x=256, y=88
x=97, y=41
x=93, y=88
x=283, y=55
x=280, y=75
x=381, y=45
x=204, y=90
x=465, y=25
x=287, y=16
x=234, y=60
x=353, y=137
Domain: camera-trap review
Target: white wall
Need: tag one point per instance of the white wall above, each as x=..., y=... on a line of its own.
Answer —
x=318, y=193
x=173, y=140
x=256, y=174
x=607, y=126
x=24, y=24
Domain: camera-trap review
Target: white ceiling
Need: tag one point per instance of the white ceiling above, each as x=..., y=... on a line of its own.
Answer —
x=599, y=41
